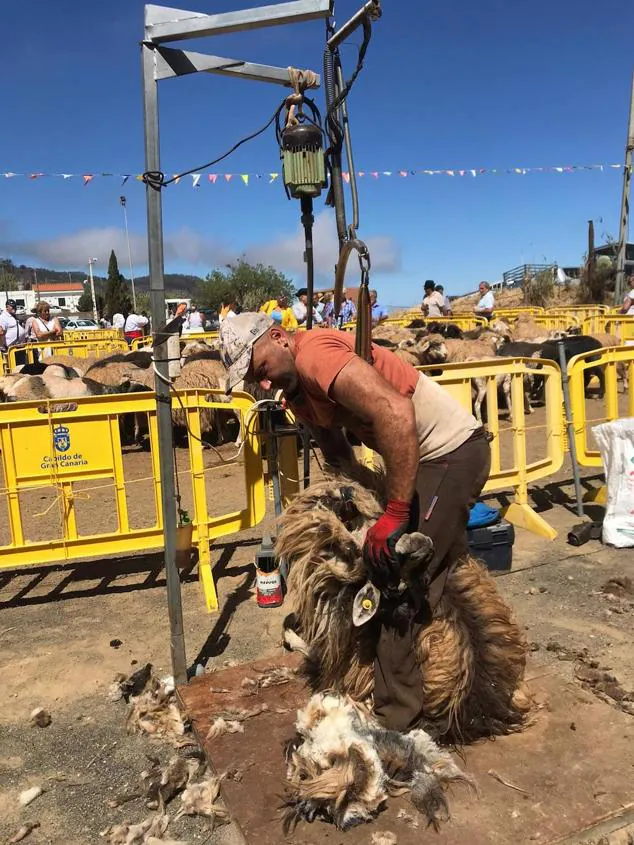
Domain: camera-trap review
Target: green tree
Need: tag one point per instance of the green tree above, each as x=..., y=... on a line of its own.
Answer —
x=84, y=304
x=8, y=277
x=117, y=296
x=248, y=284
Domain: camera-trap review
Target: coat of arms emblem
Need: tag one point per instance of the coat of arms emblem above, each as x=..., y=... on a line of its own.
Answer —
x=61, y=438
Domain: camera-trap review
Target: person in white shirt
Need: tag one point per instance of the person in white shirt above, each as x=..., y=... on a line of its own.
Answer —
x=11, y=332
x=118, y=321
x=628, y=302
x=43, y=326
x=486, y=303
x=134, y=325
x=447, y=306
x=194, y=321
x=300, y=308
x=433, y=304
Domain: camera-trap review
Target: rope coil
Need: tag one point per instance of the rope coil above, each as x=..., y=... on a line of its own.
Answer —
x=300, y=80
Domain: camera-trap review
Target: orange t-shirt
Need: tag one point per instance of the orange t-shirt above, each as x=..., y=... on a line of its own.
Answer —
x=320, y=355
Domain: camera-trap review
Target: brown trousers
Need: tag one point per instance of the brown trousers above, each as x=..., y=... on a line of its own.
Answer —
x=447, y=487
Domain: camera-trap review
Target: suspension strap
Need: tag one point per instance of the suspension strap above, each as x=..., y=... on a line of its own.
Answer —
x=300, y=80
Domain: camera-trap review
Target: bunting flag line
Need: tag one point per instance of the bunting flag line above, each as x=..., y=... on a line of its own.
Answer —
x=246, y=178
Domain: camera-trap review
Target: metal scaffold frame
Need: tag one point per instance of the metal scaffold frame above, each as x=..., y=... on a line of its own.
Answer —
x=164, y=25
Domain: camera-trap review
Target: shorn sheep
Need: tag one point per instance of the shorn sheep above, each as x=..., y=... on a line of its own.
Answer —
x=471, y=653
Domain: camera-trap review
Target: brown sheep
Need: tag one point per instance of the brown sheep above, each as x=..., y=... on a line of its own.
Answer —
x=526, y=329
x=471, y=654
x=438, y=350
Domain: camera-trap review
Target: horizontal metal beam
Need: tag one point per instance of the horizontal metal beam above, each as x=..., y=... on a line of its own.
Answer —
x=372, y=9
x=171, y=62
x=165, y=24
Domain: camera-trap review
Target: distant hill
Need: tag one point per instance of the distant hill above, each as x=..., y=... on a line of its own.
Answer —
x=175, y=283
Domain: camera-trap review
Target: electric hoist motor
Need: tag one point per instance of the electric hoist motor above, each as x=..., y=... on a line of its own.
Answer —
x=304, y=165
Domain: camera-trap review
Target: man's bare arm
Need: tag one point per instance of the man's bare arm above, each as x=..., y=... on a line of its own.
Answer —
x=361, y=390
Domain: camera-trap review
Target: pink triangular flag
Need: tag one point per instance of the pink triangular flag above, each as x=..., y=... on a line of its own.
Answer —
x=361, y=173
x=375, y=174
x=346, y=177
x=228, y=176
x=450, y=172
x=87, y=177
x=402, y=173
x=35, y=175
x=212, y=178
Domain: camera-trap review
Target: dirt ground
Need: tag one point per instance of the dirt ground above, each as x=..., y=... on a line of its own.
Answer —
x=59, y=629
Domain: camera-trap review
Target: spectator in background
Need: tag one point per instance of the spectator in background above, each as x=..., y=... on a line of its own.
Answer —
x=135, y=325
x=278, y=309
x=194, y=321
x=486, y=303
x=447, y=306
x=227, y=310
x=300, y=308
x=43, y=326
x=433, y=304
x=318, y=305
x=118, y=321
x=628, y=302
x=11, y=332
x=348, y=310
x=379, y=313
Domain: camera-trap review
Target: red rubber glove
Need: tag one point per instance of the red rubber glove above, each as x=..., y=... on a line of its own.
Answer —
x=379, y=549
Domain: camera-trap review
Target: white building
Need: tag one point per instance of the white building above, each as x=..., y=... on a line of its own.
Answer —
x=63, y=295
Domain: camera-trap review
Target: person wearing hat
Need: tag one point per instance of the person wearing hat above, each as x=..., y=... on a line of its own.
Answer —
x=433, y=304
x=436, y=457
x=11, y=332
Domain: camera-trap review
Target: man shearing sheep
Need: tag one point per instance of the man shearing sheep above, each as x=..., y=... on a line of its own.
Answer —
x=436, y=457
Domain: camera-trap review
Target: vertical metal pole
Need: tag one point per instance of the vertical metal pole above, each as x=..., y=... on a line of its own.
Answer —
x=163, y=400
x=563, y=366
x=91, y=261
x=619, y=290
x=127, y=237
x=308, y=220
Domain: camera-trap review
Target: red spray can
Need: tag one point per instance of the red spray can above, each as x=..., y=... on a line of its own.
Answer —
x=268, y=580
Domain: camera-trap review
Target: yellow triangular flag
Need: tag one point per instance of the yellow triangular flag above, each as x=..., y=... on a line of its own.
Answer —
x=245, y=178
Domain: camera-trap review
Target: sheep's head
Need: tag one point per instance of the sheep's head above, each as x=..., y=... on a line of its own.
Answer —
x=433, y=350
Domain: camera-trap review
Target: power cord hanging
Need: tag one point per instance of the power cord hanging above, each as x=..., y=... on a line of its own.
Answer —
x=156, y=179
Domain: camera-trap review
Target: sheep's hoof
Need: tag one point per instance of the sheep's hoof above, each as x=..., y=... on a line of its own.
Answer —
x=417, y=546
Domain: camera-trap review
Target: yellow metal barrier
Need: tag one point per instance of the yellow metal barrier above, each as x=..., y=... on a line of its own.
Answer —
x=458, y=380
x=4, y=364
x=77, y=349
x=616, y=362
x=462, y=321
x=513, y=313
x=621, y=327
x=96, y=334
x=73, y=448
x=141, y=342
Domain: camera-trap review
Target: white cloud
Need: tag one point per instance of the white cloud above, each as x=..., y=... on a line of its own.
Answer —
x=287, y=253
x=186, y=246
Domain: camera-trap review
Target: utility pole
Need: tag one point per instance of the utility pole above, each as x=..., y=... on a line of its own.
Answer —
x=619, y=290
x=122, y=200
x=92, y=261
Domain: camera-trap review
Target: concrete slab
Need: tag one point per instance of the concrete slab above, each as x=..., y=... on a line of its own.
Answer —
x=569, y=773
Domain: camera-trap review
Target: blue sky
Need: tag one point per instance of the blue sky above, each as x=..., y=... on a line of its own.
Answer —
x=446, y=85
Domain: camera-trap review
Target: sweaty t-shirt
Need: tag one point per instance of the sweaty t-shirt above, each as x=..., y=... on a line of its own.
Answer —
x=442, y=423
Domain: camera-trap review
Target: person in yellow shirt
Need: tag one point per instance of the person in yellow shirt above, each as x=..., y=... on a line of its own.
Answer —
x=280, y=311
